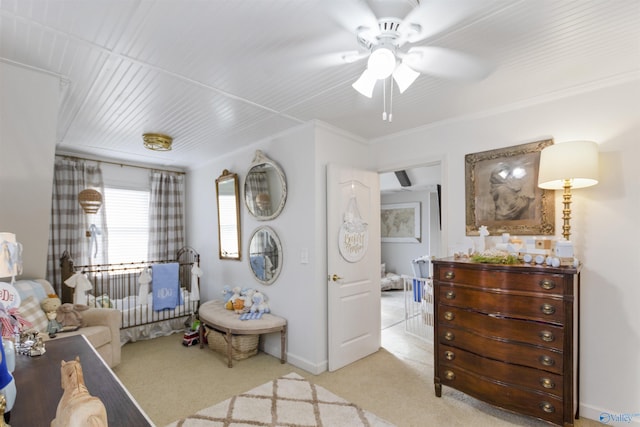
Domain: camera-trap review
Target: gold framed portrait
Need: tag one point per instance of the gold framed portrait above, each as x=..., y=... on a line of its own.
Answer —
x=501, y=192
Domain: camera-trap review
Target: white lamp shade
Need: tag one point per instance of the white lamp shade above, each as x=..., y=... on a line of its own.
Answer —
x=404, y=76
x=576, y=161
x=365, y=83
x=381, y=63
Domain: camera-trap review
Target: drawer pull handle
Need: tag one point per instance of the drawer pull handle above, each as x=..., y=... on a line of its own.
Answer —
x=449, y=275
x=449, y=315
x=547, y=309
x=449, y=375
x=547, y=383
x=547, y=407
x=449, y=355
x=547, y=336
x=449, y=336
x=547, y=284
x=547, y=361
x=450, y=295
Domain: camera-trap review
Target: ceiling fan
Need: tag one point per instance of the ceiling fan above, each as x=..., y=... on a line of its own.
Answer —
x=387, y=43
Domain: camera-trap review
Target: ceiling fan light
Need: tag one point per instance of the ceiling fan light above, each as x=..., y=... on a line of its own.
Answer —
x=365, y=83
x=381, y=63
x=404, y=76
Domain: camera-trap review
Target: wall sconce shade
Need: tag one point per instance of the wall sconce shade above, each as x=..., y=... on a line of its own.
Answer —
x=90, y=200
x=572, y=164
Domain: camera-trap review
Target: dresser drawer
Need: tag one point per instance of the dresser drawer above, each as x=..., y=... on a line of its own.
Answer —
x=533, y=379
x=547, y=283
x=505, y=351
x=540, y=405
x=503, y=328
x=544, y=309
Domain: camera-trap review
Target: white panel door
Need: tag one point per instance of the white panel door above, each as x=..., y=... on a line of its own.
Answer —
x=353, y=246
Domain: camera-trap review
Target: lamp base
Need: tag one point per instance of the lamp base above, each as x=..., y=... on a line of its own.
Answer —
x=566, y=212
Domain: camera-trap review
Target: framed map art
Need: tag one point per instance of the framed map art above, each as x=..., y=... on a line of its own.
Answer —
x=400, y=222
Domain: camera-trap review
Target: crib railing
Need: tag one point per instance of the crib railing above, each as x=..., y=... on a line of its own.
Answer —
x=118, y=286
x=418, y=304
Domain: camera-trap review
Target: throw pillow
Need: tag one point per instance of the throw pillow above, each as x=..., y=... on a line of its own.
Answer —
x=31, y=311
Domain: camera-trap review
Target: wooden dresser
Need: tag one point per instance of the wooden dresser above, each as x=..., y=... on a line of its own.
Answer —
x=508, y=335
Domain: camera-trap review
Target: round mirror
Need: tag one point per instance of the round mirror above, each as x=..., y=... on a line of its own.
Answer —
x=265, y=255
x=265, y=188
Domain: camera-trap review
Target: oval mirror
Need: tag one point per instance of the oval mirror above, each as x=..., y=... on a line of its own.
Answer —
x=228, y=215
x=265, y=255
x=265, y=188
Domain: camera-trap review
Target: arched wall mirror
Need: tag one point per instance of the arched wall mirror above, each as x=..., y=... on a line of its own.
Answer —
x=265, y=255
x=265, y=188
x=228, y=216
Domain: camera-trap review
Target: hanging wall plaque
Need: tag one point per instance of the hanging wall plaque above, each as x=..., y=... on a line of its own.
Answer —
x=353, y=237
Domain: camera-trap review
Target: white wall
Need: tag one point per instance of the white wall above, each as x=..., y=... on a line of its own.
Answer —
x=28, y=124
x=299, y=293
x=604, y=218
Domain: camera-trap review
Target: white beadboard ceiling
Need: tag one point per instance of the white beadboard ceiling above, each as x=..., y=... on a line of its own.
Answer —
x=220, y=74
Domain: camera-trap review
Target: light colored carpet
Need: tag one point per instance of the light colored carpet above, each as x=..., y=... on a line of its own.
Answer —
x=171, y=382
x=290, y=400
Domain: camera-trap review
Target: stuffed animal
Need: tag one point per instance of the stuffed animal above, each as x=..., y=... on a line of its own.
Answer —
x=69, y=315
x=229, y=305
x=50, y=307
x=259, y=303
x=227, y=293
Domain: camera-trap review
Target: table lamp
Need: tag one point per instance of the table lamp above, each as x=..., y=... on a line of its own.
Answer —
x=567, y=165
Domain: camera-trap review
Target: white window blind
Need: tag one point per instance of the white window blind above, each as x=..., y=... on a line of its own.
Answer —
x=127, y=213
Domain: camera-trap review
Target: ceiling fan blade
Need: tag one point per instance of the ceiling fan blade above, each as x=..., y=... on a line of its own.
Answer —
x=432, y=17
x=446, y=63
x=353, y=14
x=337, y=58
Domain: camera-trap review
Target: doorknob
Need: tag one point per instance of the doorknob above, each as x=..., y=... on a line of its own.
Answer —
x=335, y=278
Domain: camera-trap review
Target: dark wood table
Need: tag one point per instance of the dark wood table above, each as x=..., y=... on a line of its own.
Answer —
x=39, y=387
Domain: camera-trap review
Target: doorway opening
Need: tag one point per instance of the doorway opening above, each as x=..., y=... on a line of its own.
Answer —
x=406, y=314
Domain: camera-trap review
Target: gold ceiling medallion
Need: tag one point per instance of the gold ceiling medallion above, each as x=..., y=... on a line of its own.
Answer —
x=157, y=141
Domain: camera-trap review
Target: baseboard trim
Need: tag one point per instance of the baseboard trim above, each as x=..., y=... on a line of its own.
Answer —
x=608, y=417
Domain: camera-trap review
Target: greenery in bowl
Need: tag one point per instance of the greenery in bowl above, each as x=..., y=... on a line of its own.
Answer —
x=495, y=258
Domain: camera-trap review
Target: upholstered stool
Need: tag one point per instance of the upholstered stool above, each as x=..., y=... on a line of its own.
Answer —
x=213, y=315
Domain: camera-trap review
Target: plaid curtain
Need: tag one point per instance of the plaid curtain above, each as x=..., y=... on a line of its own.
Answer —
x=69, y=224
x=166, y=215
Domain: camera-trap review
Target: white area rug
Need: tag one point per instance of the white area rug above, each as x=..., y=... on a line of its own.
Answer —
x=289, y=401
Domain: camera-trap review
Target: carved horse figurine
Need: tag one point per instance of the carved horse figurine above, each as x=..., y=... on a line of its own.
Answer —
x=77, y=408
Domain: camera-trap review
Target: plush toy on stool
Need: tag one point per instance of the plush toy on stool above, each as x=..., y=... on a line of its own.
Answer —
x=70, y=317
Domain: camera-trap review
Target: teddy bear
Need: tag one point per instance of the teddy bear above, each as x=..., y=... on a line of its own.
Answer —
x=231, y=302
x=50, y=307
x=70, y=317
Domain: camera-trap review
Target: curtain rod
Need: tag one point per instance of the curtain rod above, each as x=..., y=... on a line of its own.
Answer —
x=67, y=156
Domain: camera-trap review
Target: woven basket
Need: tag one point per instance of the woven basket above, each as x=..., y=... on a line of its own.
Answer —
x=242, y=346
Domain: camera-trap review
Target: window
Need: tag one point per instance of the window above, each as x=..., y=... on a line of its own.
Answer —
x=127, y=215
